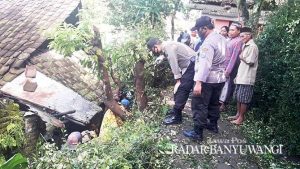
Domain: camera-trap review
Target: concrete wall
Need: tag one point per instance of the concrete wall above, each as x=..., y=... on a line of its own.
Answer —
x=219, y=23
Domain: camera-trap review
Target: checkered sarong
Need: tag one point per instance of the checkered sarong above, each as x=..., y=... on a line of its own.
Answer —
x=243, y=93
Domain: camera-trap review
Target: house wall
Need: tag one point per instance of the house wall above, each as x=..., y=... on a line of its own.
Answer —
x=219, y=23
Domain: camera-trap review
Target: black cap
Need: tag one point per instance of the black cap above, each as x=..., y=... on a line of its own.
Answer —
x=246, y=29
x=185, y=37
x=151, y=42
x=202, y=21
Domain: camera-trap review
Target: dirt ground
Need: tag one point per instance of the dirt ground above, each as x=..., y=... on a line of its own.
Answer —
x=187, y=156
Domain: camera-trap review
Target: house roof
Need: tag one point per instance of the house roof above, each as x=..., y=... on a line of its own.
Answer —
x=53, y=96
x=221, y=2
x=23, y=24
x=69, y=73
x=22, y=27
x=216, y=10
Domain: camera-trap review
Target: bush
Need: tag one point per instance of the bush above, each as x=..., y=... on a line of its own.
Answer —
x=11, y=128
x=277, y=92
x=136, y=144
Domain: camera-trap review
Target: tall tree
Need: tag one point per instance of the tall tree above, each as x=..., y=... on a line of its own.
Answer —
x=149, y=13
x=130, y=13
x=68, y=39
x=256, y=15
x=177, y=6
x=243, y=10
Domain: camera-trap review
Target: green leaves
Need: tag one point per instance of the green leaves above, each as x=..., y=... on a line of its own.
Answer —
x=125, y=56
x=67, y=39
x=11, y=127
x=276, y=94
x=136, y=144
x=16, y=162
x=131, y=13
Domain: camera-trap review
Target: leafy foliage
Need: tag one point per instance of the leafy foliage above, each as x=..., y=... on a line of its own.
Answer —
x=11, y=126
x=67, y=38
x=15, y=162
x=277, y=90
x=134, y=145
x=125, y=56
x=150, y=12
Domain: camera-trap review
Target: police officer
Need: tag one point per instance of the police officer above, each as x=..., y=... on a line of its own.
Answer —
x=209, y=79
x=182, y=61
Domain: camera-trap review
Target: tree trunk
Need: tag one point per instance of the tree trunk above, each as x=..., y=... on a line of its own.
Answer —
x=172, y=25
x=116, y=80
x=256, y=15
x=243, y=11
x=33, y=127
x=110, y=103
x=141, y=97
x=291, y=2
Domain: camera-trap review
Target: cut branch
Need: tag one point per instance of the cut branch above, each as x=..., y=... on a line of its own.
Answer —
x=110, y=103
x=141, y=97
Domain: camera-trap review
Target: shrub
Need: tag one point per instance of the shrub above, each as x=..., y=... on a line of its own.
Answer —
x=11, y=127
x=134, y=145
x=277, y=92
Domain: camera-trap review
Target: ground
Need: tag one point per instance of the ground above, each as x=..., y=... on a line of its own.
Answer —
x=227, y=132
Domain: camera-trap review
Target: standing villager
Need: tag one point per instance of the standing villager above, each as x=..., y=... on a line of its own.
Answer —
x=233, y=50
x=224, y=32
x=246, y=75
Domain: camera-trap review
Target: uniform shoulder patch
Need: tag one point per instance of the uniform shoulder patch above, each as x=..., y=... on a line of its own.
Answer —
x=204, y=49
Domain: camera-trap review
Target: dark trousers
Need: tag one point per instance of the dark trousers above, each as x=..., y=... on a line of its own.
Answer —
x=206, y=106
x=184, y=89
x=231, y=85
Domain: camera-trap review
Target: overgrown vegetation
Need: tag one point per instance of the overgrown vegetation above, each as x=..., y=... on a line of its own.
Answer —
x=11, y=129
x=278, y=81
x=136, y=144
x=15, y=162
x=275, y=118
x=259, y=133
x=150, y=12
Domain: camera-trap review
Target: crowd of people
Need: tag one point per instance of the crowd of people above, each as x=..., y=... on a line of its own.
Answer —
x=215, y=67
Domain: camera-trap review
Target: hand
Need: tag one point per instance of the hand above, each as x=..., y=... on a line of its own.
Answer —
x=197, y=88
x=159, y=59
x=176, y=86
x=227, y=74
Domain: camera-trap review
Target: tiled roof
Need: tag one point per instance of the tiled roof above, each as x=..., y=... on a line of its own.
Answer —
x=23, y=24
x=215, y=10
x=69, y=73
x=22, y=27
x=219, y=2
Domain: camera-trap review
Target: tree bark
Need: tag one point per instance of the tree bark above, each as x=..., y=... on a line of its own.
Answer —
x=172, y=25
x=110, y=103
x=243, y=11
x=256, y=15
x=116, y=80
x=140, y=95
x=291, y=2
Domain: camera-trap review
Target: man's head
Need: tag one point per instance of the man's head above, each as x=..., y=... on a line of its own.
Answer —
x=154, y=45
x=234, y=30
x=224, y=31
x=204, y=26
x=186, y=38
x=246, y=34
x=74, y=139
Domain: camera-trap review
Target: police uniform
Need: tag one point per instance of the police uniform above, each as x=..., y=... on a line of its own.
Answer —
x=210, y=70
x=182, y=61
